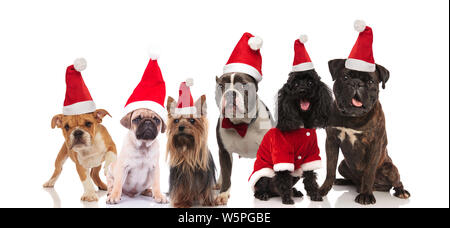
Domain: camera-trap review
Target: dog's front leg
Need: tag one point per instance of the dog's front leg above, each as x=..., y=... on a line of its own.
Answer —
x=60, y=160
x=226, y=165
x=89, y=189
x=332, y=151
x=119, y=176
x=311, y=186
x=366, y=189
x=284, y=184
x=156, y=189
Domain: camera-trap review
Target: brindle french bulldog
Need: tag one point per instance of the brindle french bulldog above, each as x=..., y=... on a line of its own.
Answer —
x=357, y=127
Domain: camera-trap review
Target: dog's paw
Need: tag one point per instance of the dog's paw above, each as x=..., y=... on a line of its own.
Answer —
x=323, y=191
x=160, y=198
x=222, y=198
x=316, y=197
x=147, y=192
x=89, y=197
x=262, y=196
x=113, y=198
x=402, y=193
x=296, y=193
x=365, y=198
x=48, y=184
x=287, y=200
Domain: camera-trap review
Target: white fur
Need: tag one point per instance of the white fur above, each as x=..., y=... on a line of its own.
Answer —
x=93, y=154
x=80, y=64
x=359, y=25
x=154, y=55
x=255, y=43
x=348, y=132
x=189, y=82
x=303, y=39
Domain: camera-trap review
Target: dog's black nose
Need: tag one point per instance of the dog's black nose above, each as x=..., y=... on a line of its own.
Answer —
x=181, y=128
x=77, y=133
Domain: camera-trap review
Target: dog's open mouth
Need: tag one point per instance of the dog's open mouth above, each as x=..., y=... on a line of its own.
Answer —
x=356, y=102
x=304, y=105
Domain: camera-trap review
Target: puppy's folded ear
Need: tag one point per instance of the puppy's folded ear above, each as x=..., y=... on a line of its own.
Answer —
x=200, y=105
x=171, y=104
x=335, y=66
x=100, y=113
x=126, y=120
x=163, y=126
x=57, y=121
x=383, y=75
x=286, y=112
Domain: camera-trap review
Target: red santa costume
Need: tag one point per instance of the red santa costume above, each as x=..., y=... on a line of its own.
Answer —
x=295, y=151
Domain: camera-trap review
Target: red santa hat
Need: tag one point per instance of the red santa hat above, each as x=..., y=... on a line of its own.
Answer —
x=185, y=105
x=302, y=62
x=246, y=57
x=361, y=57
x=78, y=99
x=150, y=93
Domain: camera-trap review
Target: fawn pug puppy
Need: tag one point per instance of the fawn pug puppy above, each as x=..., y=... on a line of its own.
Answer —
x=88, y=144
x=192, y=170
x=136, y=171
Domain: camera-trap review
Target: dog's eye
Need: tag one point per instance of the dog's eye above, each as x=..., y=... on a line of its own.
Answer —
x=370, y=82
x=156, y=120
x=296, y=84
x=66, y=127
x=310, y=83
x=176, y=120
x=88, y=124
x=192, y=121
x=345, y=77
x=137, y=119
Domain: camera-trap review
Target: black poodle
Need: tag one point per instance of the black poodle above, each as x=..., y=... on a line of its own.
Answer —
x=304, y=101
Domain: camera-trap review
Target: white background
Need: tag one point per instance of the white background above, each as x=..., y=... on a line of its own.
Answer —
x=39, y=39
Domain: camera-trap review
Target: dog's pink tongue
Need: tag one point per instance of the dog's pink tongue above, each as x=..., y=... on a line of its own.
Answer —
x=356, y=103
x=304, y=105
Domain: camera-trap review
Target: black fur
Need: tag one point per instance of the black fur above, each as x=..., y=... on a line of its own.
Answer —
x=308, y=86
x=300, y=86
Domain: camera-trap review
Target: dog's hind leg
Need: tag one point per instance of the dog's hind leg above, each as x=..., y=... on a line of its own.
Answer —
x=226, y=164
x=96, y=178
x=60, y=160
x=263, y=189
x=296, y=193
x=388, y=177
x=345, y=172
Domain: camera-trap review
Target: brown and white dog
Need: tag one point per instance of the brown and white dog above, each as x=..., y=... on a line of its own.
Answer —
x=88, y=144
x=243, y=122
x=136, y=171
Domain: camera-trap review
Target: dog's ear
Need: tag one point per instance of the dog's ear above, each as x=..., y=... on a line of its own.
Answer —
x=163, y=126
x=200, y=105
x=217, y=79
x=286, y=113
x=100, y=113
x=170, y=106
x=323, y=106
x=57, y=121
x=335, y=66
x=126, y=120
x=383, y=75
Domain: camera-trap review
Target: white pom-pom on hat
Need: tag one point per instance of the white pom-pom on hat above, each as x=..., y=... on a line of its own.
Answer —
x=154, y=55
x=189, y=82
x=303, y=38
x=255, y=43
x=80, y=64
x=359, y=25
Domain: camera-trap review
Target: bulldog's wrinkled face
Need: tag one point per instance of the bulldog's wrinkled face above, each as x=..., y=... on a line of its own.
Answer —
x=356, y=92
x=144, y=123
x=236, y=95
x=79, y=130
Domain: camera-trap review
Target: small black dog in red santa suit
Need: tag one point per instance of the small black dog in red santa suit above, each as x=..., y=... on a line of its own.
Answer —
x=290, y=151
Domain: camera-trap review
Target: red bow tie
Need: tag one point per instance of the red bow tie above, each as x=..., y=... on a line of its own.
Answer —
x=240, y=128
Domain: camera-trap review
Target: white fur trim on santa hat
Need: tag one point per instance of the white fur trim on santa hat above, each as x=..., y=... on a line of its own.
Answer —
x=264, y=172
x=185, y=111
x=80, y=64
x=359, y=25
x=284, y=167
x=303, y=38
x=79, y=108
x=255, y=43
x=189, y=82
x=303, y=67
x=154, y=106
x=242, y=68
x=317, y=164
x=360, y=65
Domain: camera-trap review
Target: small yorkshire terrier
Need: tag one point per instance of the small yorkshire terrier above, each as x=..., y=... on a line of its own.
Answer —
x=192, y=169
